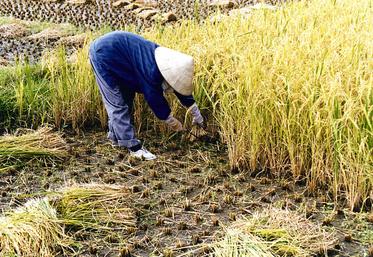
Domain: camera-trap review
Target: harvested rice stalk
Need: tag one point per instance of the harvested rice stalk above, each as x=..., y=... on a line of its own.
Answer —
x=236, y=243
x=95, y=207
x=32, y=230
x=279, y=232
x=30, y=144
x=38, y=227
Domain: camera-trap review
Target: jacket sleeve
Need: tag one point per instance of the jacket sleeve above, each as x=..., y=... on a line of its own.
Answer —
x=186, y=101
x=158, y=103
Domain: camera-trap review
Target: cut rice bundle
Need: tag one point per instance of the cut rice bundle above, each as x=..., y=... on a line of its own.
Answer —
x=32, y=230
x=236, y=243
x=95, y=206
x=26, y=145
x=274, y=232
x=44, y=227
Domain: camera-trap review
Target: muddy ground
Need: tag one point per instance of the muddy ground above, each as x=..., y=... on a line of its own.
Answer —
x=182, y=199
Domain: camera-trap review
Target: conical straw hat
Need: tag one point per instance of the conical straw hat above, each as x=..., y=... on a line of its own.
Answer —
x=176, y=68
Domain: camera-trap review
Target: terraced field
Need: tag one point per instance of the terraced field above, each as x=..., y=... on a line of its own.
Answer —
x=117, y=14
x=23, y=38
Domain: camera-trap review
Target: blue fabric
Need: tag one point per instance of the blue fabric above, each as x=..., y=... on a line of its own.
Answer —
x=186, y=101
x=127, y=60
x=118, y=104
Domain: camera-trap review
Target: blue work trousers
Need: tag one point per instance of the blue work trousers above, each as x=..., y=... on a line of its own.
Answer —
x=119, y=106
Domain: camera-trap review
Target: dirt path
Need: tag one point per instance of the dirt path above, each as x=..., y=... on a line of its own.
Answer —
x=183, y=199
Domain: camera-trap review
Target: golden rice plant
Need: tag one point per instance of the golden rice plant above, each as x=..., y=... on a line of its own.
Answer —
x=291, y=89
x=74, y=97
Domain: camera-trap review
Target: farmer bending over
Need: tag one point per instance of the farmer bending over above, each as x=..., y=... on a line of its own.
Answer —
x=125, y=64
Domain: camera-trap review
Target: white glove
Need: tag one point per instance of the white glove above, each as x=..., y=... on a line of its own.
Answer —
x=197, y=117
x=174, y=123
x=167, y=89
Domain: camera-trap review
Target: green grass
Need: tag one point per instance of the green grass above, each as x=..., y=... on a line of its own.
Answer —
x=7, y=97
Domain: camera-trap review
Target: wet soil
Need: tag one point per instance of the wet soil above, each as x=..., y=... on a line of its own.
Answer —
x=183, y=199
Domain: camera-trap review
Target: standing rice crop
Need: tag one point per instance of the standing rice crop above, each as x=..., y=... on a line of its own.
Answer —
x=58, y=90
x=74, y=97
x=291, y=89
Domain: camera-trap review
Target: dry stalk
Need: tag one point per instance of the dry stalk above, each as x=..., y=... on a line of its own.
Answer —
x=278, y=233
x=32, y=230
x=38, y=227
x=26, y=145
x=96, y=206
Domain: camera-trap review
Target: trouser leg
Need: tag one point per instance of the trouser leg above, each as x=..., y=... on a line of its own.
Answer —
x=118, y=104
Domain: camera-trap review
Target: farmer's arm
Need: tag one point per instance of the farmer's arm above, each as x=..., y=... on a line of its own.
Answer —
x=161, y=109
x=158, y=103
x=186, y=101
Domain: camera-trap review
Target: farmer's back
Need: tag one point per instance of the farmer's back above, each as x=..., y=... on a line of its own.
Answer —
x=126, y=59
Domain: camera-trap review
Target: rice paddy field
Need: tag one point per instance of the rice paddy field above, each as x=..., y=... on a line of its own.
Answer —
x=284, y=168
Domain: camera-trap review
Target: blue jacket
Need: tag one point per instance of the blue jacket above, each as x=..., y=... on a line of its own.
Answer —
x=127, y=60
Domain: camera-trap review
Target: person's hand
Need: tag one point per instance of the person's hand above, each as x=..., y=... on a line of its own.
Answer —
x=174, y=124
x=197, y=116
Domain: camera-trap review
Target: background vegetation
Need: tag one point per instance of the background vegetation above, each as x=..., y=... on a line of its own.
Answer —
x=291, y=91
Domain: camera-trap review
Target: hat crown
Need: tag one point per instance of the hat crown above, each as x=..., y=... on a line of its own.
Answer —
x=176, y=68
